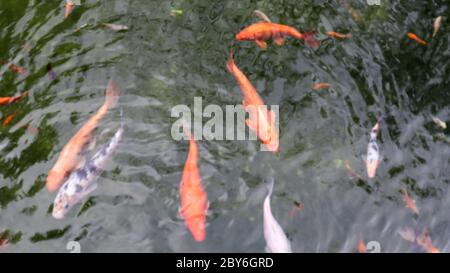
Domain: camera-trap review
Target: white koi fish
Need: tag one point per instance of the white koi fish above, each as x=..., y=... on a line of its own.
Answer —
x=276, y=240
x=81, y=182
x=373, y=158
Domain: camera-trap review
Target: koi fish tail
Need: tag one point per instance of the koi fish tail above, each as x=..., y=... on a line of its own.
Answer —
x=310, y=39
x=269, y=185
x=230, y=63
x=112, y=94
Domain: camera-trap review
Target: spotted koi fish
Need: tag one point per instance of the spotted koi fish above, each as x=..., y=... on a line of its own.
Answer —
x=373, y=158
x=81, y=182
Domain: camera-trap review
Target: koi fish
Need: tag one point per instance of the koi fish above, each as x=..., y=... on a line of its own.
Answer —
x=339, y=35
x=373, y=158
x=262, y=31
x=437, y=25
x=9, y=100
x=261, y=121
x=82, y=181
x=17, y=69
x=439, y=122
x=276, y=240
x=410, y=203
x=321, y=85
x=70, y=154
x=115, y=27
x=415, y=38
x=423, y=240
x=8, y=119
x=69, y=6
x=194, y=203
x=361, y=247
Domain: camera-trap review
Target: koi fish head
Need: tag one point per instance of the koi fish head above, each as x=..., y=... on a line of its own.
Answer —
x=54, y=179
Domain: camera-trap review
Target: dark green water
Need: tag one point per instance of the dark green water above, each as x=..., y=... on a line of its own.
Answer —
x=164, y=60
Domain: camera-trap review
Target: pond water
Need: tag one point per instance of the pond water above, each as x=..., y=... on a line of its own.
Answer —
x=176, y=50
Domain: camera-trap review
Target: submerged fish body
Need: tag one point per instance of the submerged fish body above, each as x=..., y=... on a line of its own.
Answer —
x=82, y=181
x=373, y=158
x=276, y=239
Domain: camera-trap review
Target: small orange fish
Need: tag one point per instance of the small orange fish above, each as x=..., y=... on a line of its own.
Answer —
x=339, y=35
x=261, y=120
x=424, y=240
x=297, y=208
x=17, y=69
x=8, y=119
x=70, y=154
x=415, y=38
x=9, y=100
x=194, y=203
x=321, y=85
x=262, y=31
x=410, y=203
x=69, y=7
x=361, y=247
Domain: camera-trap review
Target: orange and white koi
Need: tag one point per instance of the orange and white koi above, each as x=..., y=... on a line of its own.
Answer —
x=194, y=203
x=409, y=202
x=261, y=120
x=414, y=37
x=262, y=31
x=70, y=154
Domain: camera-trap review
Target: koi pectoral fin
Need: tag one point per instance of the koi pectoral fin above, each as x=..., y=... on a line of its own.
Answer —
x=261, y=44
x=279, y=41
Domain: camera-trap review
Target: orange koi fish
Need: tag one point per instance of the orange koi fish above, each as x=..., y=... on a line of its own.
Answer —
x=261, y=121
x=424, y=240
x=17, y=69
x=321, y=85
x=69, y=7
x=415, y=38
x=193, y=198
x=262, y=31
x=9, y=100
x=339, y=35
x=410, y=203
x=70, y=154
x=8, y=119
x=361, y=247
